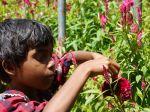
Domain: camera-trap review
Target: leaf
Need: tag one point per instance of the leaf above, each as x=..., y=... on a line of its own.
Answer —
x=89, y=99
x=91, y=91
x=138, y=78
x=146, y=110
x=139, y=93
x=144, y=69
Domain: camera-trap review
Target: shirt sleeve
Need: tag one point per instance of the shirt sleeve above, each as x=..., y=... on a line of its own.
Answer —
x=19, y=104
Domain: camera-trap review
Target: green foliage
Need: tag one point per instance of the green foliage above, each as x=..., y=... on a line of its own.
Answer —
x=84, y=32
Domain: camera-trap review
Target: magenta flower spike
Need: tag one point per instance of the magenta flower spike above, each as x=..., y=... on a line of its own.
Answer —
x=103, y=20
x=139, y=15
x=129, y=18
x=134, y=28
x=27, y=2
x=139, y=39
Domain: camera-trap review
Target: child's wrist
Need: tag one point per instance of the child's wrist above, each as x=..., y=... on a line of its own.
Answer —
x=84, y=69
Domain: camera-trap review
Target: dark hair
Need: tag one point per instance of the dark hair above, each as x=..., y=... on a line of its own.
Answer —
x=17, y=36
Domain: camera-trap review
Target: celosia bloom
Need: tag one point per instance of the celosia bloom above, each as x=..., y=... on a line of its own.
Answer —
x=121, y=88
x=134, y=28
x=124, y=7
x=129, y=18
x=27, y=2
x=139, y=37
x=139, y=15
x=125, y=12
x=103, y=20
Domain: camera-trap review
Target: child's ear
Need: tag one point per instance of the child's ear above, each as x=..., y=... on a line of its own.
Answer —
x=9, y=68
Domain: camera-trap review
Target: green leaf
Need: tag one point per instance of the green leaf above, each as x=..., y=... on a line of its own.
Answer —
x=139, y=93
x=138, y=78
x=146, y=110
x=89, y=99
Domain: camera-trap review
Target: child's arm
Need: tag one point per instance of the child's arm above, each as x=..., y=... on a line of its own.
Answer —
x=65, y=97
x=82, y=56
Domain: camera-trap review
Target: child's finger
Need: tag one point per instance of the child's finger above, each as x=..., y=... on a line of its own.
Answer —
x=114, y=64
x=113, y=70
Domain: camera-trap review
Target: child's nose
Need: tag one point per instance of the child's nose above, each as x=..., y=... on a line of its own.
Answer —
x=51, y=65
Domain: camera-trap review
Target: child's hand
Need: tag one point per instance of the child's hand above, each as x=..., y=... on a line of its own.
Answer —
x=97, y=66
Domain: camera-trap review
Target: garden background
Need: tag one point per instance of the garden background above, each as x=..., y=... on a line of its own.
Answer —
x=111, y=27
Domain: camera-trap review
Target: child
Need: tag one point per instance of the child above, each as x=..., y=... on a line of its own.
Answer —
x=26, y=65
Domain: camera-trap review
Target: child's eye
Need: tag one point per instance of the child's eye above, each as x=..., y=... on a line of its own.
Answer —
x=42, y=57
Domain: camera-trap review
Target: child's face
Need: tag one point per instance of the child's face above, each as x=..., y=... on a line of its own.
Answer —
x=36, y=71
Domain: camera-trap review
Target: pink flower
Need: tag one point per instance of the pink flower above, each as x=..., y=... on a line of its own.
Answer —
x=124, y=7
x=103, y=19
x=143, y=85
x=129, y=18
x=130, y=2
x=134, y=28
x=139, y=15
x=27, y=2
x=139, y=39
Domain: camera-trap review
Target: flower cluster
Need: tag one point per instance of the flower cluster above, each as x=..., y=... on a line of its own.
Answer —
x=121, y=88
x=103, y=16
x=127, y=18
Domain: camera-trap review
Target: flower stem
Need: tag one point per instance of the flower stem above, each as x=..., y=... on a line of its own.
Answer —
x=117, y=100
